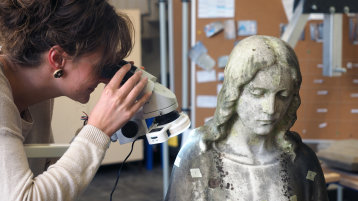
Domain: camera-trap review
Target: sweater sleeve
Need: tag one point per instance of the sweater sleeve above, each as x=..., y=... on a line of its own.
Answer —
x=64, y=180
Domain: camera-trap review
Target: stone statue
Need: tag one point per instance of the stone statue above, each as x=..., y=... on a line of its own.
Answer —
x=247, y=152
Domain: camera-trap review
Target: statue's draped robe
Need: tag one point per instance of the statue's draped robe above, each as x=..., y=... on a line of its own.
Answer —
x=212, y=175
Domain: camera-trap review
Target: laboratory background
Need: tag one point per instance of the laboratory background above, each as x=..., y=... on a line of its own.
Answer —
x=186, y=44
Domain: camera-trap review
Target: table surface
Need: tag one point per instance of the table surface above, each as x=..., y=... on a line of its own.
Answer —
x=348, y=179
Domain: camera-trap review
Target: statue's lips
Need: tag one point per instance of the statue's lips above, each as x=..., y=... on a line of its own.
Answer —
x=267, y=122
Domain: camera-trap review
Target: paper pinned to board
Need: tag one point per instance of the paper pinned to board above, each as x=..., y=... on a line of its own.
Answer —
x=213, y=28
x=351, y=65
x=206, y=62
x=218, y=88
x=206, y=76
x=221, y=76
x=323, y=125
x=216, y=8
x=322, y=110
x=198, y=54
x=206, y=101
x=247, y=27
x=318, y=81
x=322, y=92
x=197, y=50
x=229, y=29
x=222, y=61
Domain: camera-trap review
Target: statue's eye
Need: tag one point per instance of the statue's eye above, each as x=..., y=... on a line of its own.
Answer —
x=257, y=92
x=284, y=94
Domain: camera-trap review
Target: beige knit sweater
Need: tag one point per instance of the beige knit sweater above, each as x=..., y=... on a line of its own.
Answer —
x=23, y=179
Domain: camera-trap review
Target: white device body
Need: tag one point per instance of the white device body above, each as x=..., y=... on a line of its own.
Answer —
x=162, y=101
x=161, y=133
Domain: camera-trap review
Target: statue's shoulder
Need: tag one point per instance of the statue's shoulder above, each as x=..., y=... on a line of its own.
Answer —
x=194, y=147
x=293, y=137
x=303, y=152
x=306, y=165
x=192, y=142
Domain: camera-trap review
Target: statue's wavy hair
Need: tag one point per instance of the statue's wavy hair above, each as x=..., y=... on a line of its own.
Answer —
x=248, y=57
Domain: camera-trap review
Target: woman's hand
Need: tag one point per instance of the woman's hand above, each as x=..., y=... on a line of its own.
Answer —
x=118, y=104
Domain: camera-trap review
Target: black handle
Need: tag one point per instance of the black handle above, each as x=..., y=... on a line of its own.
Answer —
x=109, y=71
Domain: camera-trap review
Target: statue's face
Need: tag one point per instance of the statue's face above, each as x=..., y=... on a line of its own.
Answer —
x=265, y=100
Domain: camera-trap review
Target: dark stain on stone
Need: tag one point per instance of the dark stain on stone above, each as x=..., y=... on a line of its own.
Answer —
x=214, y=182
x=284, y=160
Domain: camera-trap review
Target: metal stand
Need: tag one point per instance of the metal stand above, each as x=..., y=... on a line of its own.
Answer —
x=185, y=63
x=339, y=193
x=163, y=75
x=295, y=27
x=185, y=66
x=332, y=45
x=171, y=45
x=332, y=26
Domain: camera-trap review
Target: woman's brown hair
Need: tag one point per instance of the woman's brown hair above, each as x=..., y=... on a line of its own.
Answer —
x=28, y=28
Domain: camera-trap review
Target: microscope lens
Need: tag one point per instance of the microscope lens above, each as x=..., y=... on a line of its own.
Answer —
x=109, y=71
x=164, y=119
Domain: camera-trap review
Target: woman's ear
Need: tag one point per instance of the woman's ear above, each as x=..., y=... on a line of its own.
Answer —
x=57, y=57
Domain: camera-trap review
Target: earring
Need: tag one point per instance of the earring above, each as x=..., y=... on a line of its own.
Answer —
x=58, y=73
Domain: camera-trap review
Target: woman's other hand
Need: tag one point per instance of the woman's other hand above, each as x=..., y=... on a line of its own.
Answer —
x=118, y=104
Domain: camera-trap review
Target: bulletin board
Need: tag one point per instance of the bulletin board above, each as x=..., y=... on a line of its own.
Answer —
x=329, y=105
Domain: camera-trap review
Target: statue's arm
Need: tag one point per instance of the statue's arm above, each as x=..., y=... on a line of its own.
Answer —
x=319, y=188
x=320, y=183
x=309, y=169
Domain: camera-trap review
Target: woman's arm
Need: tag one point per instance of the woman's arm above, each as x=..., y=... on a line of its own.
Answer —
x=67, y=178
x=64, y=180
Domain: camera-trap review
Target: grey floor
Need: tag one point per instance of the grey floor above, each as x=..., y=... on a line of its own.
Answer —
x=135, y=184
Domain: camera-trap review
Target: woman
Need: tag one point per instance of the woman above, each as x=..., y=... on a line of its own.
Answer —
x=51, y=49
x=246, y=152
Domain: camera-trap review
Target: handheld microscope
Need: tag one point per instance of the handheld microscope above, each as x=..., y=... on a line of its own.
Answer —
x=162, y=106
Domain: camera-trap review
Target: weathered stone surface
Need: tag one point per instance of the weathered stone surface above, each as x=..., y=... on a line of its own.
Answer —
x=246, y=152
